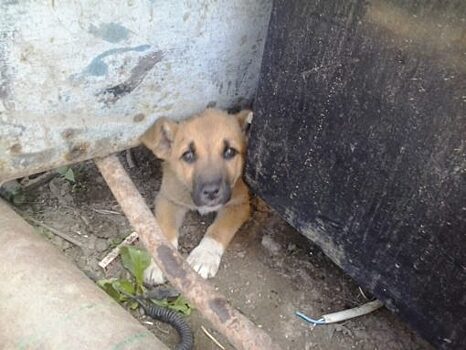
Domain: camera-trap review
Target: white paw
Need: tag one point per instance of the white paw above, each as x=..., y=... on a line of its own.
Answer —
x=205, y=258
x=153, y=275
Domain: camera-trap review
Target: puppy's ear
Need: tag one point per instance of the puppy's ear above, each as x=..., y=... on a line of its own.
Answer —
x=244, y=118
x=159, y=137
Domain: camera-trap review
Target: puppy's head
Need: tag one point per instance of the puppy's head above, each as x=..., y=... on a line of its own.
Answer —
x=206, y=152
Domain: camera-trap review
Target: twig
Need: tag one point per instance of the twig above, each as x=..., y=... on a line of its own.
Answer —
x=130, y=159
x=83, y=218
x=106, y=212
x=362, y=293
x=107, y=260
x=211, y=337
x=29, y=184
x=56, y=232
x=164, y=331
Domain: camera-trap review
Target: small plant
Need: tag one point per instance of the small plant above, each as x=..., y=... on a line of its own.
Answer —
x=122, y=290
x=67, y=173
x=13, y=192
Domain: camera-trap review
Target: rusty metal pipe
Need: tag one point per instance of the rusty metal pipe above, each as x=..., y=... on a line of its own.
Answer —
x=239, y=330
x=46, y=302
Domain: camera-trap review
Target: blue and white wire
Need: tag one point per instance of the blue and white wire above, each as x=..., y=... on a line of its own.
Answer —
x=343, y=315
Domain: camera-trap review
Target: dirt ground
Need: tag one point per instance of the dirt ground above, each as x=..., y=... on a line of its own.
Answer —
x=269, y=271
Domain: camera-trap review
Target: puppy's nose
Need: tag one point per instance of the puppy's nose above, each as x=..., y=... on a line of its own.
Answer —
x=210, y=191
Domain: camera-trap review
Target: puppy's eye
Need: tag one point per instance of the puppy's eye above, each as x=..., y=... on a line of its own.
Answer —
x=189, y=156
x=229, y=153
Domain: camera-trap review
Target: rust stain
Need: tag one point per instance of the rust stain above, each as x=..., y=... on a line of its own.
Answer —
x=68, y=133
x=77, y=151
x=220, y=307
x=16, y=148
x=171, y=264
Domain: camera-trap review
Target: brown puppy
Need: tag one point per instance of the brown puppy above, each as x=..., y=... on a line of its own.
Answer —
x=202, y=170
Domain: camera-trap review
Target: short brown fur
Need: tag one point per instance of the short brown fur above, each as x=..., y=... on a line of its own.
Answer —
x=209, y=133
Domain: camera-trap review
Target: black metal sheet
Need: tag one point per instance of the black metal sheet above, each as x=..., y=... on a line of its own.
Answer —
x=358, y=140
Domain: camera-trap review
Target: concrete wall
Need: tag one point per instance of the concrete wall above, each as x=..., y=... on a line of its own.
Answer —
x=85, y=78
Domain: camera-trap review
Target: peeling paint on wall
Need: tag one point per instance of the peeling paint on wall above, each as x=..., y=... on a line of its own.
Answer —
x=98, y=67
x=138, y=73
x=111, y=32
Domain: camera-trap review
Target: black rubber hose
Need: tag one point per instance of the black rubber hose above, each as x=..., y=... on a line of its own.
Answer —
x=175, y=320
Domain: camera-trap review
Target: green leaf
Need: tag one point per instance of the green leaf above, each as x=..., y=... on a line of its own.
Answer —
x=180, y=304
x=136, y=261
x=107, y=286
x=13, y=192
x=19, y=198
x=133, y=305
x=125, y=286
x=117, y=288
x=62, y=170
x=67, y=173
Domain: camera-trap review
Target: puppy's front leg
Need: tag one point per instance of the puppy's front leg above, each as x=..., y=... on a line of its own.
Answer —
x=170, y=217
x=205, y=258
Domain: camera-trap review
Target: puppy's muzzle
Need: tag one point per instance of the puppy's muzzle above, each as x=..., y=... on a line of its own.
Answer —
x=211, y=192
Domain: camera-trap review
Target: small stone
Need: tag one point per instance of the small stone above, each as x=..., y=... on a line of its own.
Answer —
x=91, y=242
x=291, y=247
x=141, y=311
x=101, y=244
x=66, y=245
x=58, y=241
x=99, y=180
x=269, y=244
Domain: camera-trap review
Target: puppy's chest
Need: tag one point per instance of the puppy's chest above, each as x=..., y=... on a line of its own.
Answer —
x=206, y=210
